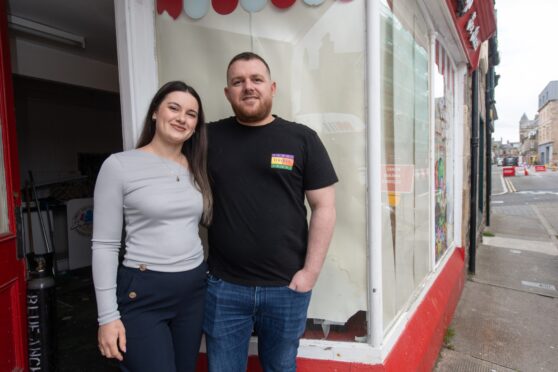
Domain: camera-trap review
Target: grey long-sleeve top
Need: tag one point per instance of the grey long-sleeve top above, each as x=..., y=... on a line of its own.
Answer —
x=161, y=217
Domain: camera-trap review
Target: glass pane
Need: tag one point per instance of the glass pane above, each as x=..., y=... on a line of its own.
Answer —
x=317, y=57
x=4, y=222
x=443, y=151
x=405, y=154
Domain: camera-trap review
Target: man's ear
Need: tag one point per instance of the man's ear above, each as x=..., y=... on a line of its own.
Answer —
x=273, y=88
x=226, y=90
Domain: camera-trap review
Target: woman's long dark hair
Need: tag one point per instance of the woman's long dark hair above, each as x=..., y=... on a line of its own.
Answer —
x=195, y=148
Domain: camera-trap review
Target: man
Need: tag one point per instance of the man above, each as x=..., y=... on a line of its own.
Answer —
x=264, y=258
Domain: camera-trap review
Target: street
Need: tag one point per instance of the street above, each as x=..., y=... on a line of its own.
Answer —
x=536, y=193
x=507, y=315
x=537, y=187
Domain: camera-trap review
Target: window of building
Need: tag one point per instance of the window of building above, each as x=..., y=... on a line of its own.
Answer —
x=317, y=57
x=406, y=149
x=444, y=88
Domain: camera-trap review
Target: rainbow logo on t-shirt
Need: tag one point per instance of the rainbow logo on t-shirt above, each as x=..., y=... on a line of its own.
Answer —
x=282, y=161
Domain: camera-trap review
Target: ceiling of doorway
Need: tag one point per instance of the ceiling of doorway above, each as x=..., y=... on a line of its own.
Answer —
x=93, y=19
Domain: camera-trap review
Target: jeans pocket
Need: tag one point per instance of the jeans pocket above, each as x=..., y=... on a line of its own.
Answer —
x=212, y=279
x=297, y=292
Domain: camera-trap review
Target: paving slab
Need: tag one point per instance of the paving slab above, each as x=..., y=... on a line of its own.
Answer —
x=514, y=210
x=452, y=361
x=518, y=269
x=505, y=241
x=509, y=328
x=550, y=213
x=517, y=221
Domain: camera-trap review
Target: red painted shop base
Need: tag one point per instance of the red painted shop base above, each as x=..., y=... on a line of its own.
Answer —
x=418, y=346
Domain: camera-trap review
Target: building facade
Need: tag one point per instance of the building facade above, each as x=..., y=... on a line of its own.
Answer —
x=398, y=92
x=528, y=138
x=401, y=92
x=481, y=113
x=548, y=124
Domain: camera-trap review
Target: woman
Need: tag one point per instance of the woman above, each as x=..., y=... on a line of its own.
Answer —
x=151, y=307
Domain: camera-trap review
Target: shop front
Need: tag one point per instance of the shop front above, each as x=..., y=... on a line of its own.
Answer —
x=383, y=83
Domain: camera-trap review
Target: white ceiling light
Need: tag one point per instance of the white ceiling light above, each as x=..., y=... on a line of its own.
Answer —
x=46, y=32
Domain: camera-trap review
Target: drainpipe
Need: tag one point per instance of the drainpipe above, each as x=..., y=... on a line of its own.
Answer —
x=488, y=103
x=474, y=170
x=489, y=167
x=491, y=82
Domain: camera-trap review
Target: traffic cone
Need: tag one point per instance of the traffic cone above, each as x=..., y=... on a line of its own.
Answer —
x=525, y=172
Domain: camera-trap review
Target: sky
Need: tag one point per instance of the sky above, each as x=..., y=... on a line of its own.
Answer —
x=527, y=43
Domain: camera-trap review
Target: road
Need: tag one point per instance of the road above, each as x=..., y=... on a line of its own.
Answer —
x=537, y=187
x=534, y=194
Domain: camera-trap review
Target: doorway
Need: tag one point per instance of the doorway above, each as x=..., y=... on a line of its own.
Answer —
x=67, y=121
x=64, y=133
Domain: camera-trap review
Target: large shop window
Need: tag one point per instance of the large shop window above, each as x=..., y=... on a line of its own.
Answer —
x=4, y=222
x=406, y=147
x=317, y=57
x=444, y=88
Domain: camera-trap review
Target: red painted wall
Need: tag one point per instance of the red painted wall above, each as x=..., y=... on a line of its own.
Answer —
x=418, y=347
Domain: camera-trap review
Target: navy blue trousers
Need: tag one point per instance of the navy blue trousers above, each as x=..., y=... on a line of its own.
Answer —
x=163, y=316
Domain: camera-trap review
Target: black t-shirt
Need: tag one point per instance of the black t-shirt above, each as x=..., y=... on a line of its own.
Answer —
x=259, y=177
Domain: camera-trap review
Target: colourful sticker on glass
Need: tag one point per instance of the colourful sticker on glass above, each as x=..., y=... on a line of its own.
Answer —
x=282, y=161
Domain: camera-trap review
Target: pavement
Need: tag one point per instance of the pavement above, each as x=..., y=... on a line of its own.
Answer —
x=507, y=316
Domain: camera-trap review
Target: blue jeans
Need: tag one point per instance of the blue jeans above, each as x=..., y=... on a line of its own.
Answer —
x=232, y=312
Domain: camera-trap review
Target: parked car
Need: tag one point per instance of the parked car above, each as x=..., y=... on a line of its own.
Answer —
x=510, y=160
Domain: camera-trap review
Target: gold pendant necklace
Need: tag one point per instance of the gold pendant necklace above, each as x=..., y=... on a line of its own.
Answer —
x=177, y=175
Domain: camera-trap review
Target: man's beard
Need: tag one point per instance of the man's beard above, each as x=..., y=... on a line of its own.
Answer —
x=252, y=116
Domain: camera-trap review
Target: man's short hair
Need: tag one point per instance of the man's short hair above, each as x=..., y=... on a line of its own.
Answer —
x=247, y=56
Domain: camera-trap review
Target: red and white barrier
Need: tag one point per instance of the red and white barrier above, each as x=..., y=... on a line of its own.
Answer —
x=508, y=171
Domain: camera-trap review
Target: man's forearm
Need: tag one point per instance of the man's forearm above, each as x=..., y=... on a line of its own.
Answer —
x=322, y=222
x=320, y=231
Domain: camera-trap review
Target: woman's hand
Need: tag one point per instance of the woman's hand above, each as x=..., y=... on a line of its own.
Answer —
x=112, y=339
